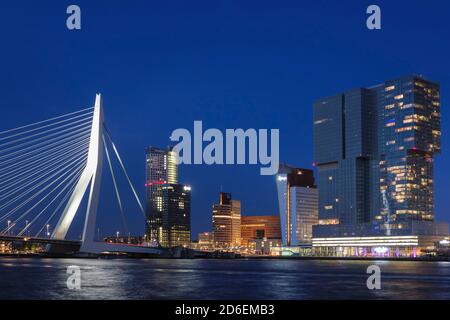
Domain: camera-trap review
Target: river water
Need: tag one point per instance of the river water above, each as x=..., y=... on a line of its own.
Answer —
x=35, y=278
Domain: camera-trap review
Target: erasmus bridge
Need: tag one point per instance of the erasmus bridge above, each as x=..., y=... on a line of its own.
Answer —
x=46, y=170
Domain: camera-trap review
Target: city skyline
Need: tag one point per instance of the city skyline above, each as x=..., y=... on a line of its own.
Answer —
x=171, y=72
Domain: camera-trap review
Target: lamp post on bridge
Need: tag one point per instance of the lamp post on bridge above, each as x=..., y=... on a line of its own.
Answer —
x=48, y=232
x=26, y=227
x=9, y=224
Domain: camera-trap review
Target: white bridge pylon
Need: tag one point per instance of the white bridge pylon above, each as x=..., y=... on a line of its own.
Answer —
x=90, y=181
x=91, y=176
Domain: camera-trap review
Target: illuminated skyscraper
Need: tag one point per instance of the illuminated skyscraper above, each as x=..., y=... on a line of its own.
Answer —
x=161, y=169
x=227, y=222
x=374, y=150
x=409, y=115
x=298, y=204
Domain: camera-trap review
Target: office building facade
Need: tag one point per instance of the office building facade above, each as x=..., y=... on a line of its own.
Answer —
x=374, y=150
x=298, y=204
x=206, y=241
x=176, y=226
x=260, y=227
x=226, y=219
x=161, y=173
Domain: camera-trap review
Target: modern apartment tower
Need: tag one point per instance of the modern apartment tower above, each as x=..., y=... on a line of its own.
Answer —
x=226, y=218
x=168, y=203
x=374, y=149
x=298, y=204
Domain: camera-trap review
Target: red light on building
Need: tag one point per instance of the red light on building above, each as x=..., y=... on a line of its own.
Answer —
x=151, y=183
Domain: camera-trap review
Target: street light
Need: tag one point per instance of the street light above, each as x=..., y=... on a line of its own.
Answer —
x=48, y=233
x=9, y=223
x=26, y=226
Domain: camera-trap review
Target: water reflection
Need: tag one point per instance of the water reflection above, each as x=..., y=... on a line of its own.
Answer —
x=221, y=279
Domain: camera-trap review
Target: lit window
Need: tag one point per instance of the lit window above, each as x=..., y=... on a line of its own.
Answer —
x=391, y=142
x=389, y=88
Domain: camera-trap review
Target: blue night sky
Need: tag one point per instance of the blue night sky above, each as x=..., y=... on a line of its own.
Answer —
x=160, y=65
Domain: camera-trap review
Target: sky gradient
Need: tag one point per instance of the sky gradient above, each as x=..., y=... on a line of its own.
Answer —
x=160, y=65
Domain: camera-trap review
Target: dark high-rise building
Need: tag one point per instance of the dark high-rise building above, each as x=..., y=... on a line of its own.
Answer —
x=161, y=169
x=176, y=225
x=374, y=150
x=346, y=156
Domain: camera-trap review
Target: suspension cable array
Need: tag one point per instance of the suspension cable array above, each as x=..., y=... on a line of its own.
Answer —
x=40, y=164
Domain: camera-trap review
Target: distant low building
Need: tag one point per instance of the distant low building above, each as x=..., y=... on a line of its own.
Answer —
x=259, y=228
x=263, y=246
x=205, y=241
x=125, y=239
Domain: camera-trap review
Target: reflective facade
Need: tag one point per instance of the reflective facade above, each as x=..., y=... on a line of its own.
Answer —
x=259, y=227
x=161, y=168
x=374, y=149
x=176, y=226
x=410, y=137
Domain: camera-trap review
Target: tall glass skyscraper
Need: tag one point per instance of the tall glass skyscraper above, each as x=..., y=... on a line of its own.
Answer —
x=161, y=169
x=374, y=149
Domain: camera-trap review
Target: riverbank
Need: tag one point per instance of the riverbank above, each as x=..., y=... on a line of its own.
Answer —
x=434, y=259
x=224, y=257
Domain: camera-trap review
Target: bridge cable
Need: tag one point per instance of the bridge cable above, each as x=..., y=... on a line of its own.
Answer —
x=44, y=121
x=74, y=178
x=40, y=150
x=32, y=172
x=63, y=166
x=124, y=170
x=40, y=201
x=35, y=195
x=122, y=215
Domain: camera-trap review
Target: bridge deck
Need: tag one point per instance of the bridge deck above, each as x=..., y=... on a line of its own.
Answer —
x=38, y=240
